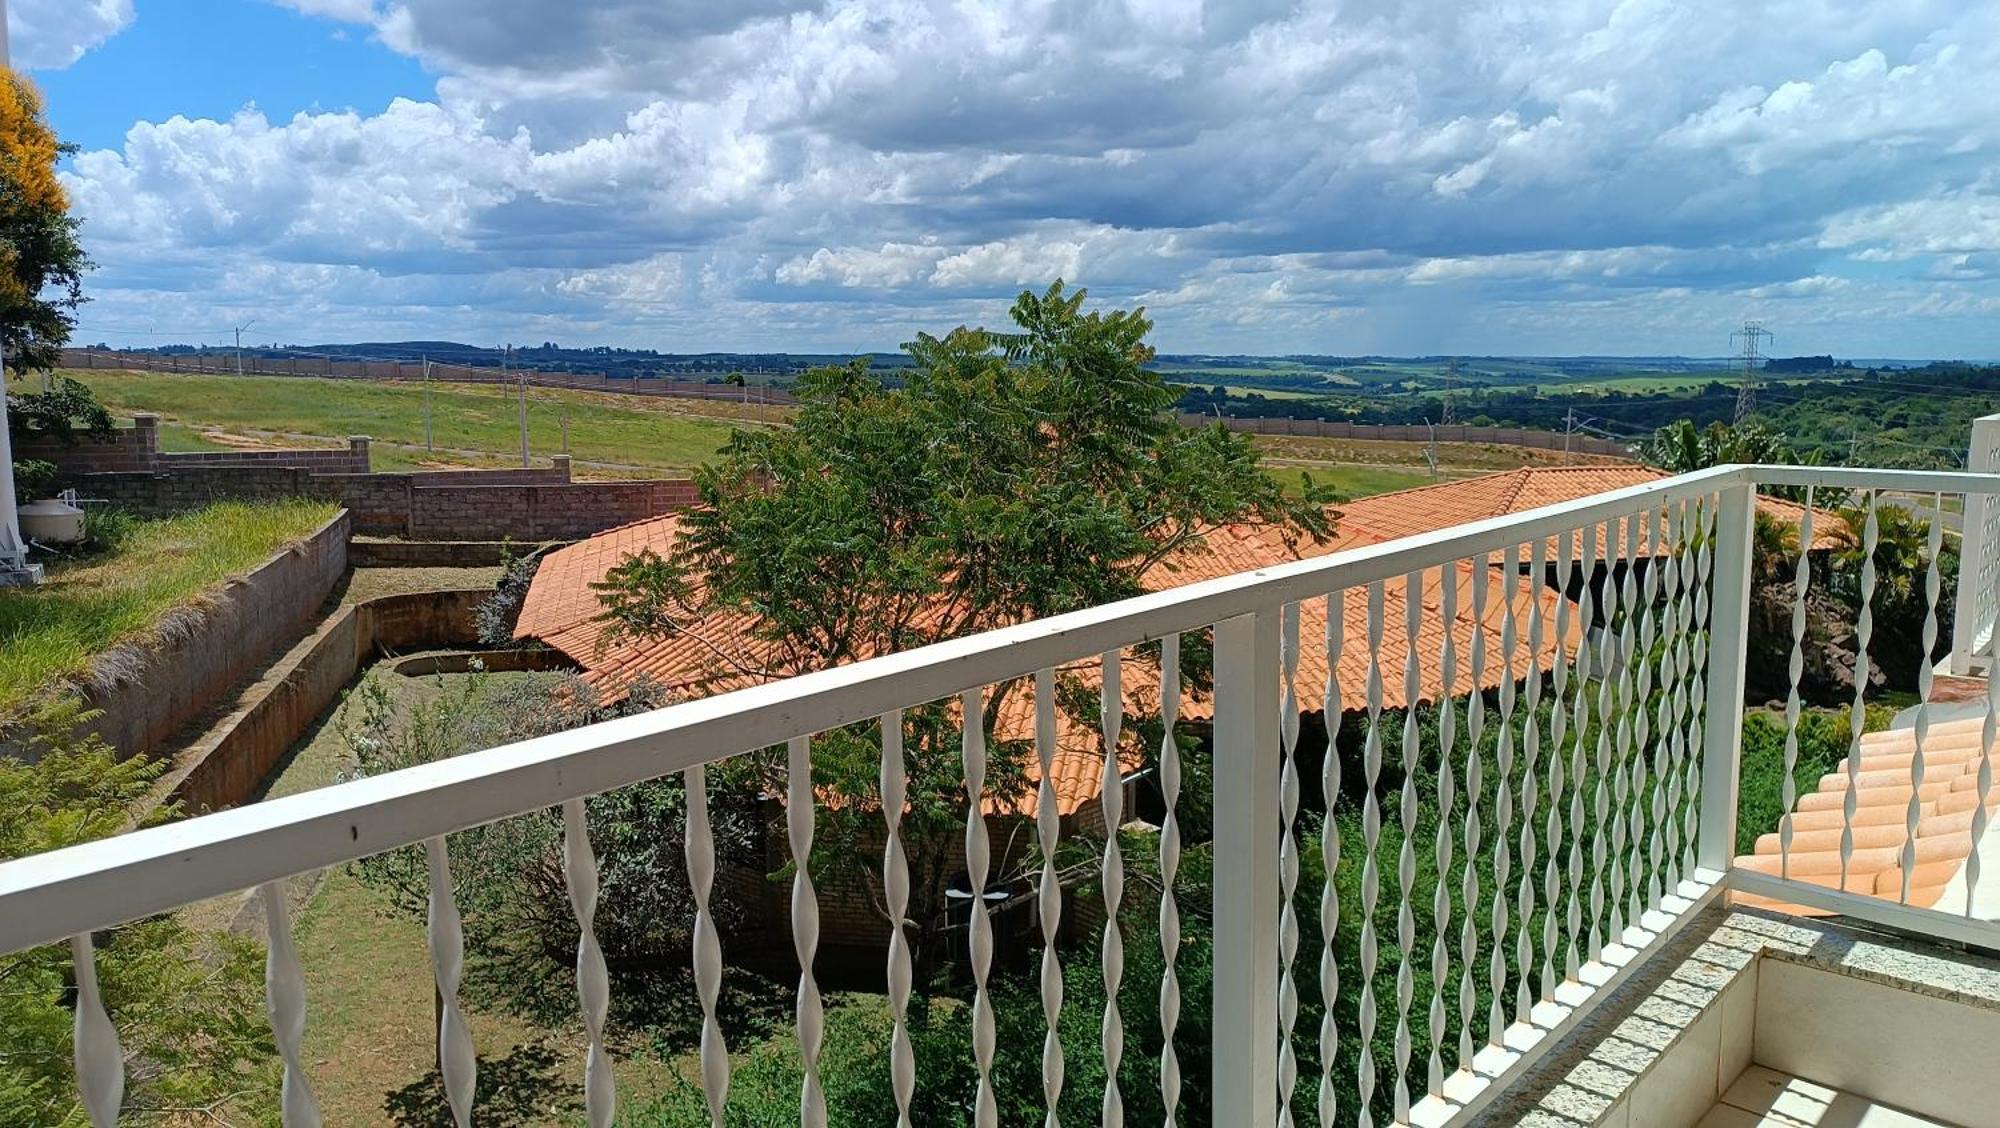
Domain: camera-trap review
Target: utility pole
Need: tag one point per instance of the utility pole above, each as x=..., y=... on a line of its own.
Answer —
x=1753, y=334
x=505, y=358
x=1569, y=429
x=429, y=447
x=239, y=344
x=14, y=566
x=1431, y=449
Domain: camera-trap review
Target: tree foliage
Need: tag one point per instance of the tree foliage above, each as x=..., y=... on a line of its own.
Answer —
x=41, y=262
x=1006, y=476
x=188, y=1006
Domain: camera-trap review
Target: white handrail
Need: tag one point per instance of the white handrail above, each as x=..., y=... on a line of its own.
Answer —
x=99, y=884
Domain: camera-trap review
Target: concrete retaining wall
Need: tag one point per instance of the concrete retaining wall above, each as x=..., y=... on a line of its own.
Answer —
x=150, y=690
x=431, y=554
x=231, y=763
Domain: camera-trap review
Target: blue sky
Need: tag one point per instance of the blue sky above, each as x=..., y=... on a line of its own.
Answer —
x=1336, y=176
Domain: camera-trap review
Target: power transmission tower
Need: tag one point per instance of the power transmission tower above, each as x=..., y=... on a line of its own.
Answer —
x=1753, y=335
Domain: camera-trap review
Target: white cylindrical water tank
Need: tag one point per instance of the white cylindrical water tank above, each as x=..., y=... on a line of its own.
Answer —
x=52, y=522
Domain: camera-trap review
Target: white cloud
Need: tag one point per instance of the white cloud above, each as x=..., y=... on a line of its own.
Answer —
x=1325, y=175
x=52, y=34
x=349, y=11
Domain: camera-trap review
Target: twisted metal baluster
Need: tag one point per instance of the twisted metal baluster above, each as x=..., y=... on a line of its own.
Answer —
x=896, y=893
x=1288, y=858
x=1600, y=825
x=1681, y=572
x=799, y=815
x=1864, y=630
x=447, y=942
x=1704, y=571
x=285, y=1002
x=1329, y=896
x=1531, y=744
x=1914, y=815
x=1048, y=830
x=1406, y=856
x=593, y=984
x=1666, y=559
x=1170, y=864
x=1475, y=766
x=1113, y=1034
x=979, y=934
x=1559, y=735
x=1503, y=804
x=699, y=849
x=1574, y=954
x=1987, y=733
x=1646, y=548
x=1622, y=780
x=99, y=1059
x=1371, y=874
x=1788, y=791
x=1447, y=722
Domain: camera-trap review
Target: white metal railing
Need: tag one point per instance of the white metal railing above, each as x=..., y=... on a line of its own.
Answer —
x=1588, y=810
x=1979, y=556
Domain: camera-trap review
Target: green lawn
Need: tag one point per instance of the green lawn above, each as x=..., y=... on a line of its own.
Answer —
x=148, y=568
x=1353, y=481
x=660, y=434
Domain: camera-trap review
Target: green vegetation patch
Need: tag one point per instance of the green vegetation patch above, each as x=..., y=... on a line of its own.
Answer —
x=141, y=570
x=470, y=423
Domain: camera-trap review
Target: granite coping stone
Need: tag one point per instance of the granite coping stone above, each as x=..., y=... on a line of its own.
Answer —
x=1596, y=1067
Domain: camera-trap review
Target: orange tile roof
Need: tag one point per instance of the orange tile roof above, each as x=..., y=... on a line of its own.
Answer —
x=1945, y=806
x=561, y=609
x=1426, y=509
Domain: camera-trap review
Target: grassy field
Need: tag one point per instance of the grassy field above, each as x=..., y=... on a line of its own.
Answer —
x=472, y=424
x=1353, y=481
x=148, y=568
x=612, y=435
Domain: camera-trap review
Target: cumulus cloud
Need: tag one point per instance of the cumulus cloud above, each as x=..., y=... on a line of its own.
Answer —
x=1311, y=175
x=52, y=34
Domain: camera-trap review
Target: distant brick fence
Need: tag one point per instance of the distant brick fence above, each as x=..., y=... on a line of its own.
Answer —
x=328, y=368
x=129, y=470
x=1417, y=433
x=136, y=449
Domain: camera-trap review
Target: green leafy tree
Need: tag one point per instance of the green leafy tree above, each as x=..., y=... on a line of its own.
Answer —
x=41, y=262
x=188, y=1006
x=1005, y=476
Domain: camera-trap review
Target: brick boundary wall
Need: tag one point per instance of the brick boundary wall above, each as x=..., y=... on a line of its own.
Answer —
x=539, y=503
x=1416, y=433
x=327, y=368
x=150, y=689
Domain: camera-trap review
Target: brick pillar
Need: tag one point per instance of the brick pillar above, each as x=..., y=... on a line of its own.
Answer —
x=560, y=463
x=357, y=445
x=146, y=438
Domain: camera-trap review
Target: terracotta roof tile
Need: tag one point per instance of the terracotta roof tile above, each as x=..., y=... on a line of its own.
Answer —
x=1945, y=806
